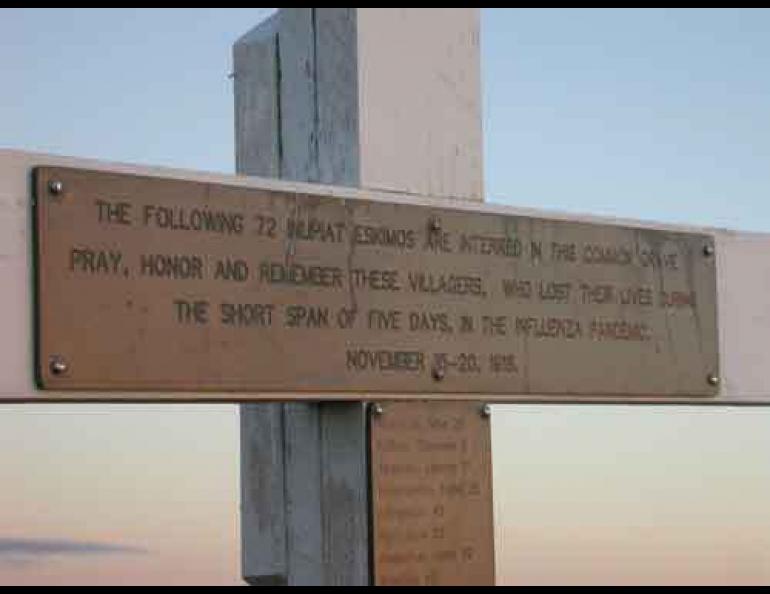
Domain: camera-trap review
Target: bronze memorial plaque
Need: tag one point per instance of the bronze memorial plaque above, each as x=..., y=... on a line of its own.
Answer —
x=432, y=495
x=153, y=284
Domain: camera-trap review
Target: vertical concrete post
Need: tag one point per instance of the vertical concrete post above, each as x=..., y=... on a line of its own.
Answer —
x=378, y=98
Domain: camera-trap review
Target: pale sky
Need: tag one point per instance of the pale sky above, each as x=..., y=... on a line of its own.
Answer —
x=659, y=115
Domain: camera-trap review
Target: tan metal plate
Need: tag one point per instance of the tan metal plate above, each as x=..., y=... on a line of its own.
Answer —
x=432, y=495
x=150, y=284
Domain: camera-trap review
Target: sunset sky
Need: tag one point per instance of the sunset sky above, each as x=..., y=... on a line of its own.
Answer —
x=657, y=115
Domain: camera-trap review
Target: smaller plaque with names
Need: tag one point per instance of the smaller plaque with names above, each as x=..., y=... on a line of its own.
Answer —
x=432, y=494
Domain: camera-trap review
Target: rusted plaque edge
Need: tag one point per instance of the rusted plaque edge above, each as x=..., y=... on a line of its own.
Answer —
x=155, y=284
x=431, y=491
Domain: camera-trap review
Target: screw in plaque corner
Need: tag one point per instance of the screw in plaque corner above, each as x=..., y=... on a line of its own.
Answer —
x=58, y=366
x=56, y=187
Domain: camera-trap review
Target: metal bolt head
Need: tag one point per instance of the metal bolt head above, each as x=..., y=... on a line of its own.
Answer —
x=58, y=366
x=377, y=409
x=708, y=250
x=486, y=411
x=713, y=380
x=56, y=187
